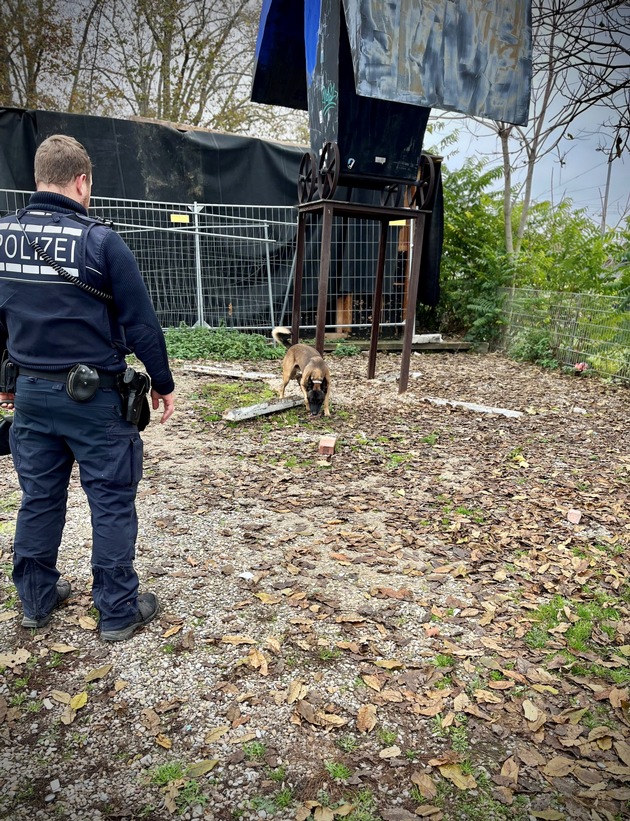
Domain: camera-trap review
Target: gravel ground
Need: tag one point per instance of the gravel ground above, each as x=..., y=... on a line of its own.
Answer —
x=299, y=589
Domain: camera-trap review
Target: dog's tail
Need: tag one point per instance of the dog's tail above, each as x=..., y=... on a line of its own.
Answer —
x=282, y=335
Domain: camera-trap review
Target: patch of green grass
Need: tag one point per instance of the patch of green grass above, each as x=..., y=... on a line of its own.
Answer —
x=10, y=502
x=365, y=806
x=347, y=743
x=337, y=770
x=397, y=459
x=459, y=739
x=220, y=344
x=55, y=659
x=344, y=348
x=278, y=774
x=328, y=653
x=165, y=773
x=169, y=649
x=284, y=798
x=386, y=737
x=430, y=438
x=442, y=660
x=190, y=795
x=218, y=397
x=254, y=750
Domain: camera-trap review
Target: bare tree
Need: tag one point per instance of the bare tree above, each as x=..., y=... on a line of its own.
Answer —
x=581, y=60
x=35, y=39
x=184, y=61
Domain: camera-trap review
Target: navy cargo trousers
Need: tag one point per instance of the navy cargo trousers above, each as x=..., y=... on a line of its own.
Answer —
x=50, y=431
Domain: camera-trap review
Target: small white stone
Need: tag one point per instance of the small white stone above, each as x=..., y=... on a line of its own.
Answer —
x=55, y=786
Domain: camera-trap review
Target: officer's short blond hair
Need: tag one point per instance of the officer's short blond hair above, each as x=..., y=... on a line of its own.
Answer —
x=59, y=160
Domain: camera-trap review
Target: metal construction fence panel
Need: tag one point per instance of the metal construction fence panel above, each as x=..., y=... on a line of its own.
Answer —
x=590, y=328
x=233, y=265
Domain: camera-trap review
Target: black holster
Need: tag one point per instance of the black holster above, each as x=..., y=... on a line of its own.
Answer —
x=134, y=386
x=8, y=374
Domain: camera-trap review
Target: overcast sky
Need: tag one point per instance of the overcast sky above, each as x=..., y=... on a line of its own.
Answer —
x=582, y=177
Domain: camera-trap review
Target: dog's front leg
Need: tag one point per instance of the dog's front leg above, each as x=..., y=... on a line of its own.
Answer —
x=326, y=398
x=305, y=395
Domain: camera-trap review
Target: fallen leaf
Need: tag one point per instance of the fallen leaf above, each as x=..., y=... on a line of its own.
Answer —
x=8, y=615
x=99, y=672
x=389, y=752
x=548, y=815
x=429, y=811
x=388, y=664
x=62, y=648
x=623, y=751
x=366, y=718
x=68, y=715
x=215, y=735
x=372, y=681
x=238, y=640
x=257, y=660
x=78, y=701
x=163, y=741
x=330, y=719
x=454, y=773
x=171, y=631
x=324, y=814
x=295, y=691
x=510, y=769
x=531, y=712
x=425, y=784
x=61, y=696
x=267, y=598
x=201, y=767
x=87, y=623
x=559, y=766
x=120, y=685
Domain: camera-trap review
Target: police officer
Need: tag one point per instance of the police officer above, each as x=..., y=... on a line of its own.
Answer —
x=49, y=325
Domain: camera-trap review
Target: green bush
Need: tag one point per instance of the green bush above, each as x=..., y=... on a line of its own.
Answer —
x=533, y=345
x=220, y=344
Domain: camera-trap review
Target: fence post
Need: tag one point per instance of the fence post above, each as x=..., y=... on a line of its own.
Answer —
x=201, y=321
x=273, y=321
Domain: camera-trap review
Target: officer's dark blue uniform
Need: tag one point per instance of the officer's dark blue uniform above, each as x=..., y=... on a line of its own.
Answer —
x=48, y=324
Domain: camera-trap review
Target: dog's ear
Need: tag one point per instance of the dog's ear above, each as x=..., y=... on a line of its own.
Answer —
x=324, y=384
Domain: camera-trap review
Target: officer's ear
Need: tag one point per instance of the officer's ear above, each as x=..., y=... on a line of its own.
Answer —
x=83, y=187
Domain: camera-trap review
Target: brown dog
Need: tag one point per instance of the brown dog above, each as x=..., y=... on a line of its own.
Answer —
x=305, y=364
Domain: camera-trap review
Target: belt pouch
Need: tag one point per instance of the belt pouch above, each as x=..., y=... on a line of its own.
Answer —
x=82, y=383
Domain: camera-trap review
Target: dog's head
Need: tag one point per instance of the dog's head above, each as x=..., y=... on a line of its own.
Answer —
x=316, y=394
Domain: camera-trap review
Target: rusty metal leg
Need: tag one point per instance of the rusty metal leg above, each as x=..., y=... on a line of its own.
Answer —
x=297, y=279
x=412, y=297
x=377, y=300
x=324, y=271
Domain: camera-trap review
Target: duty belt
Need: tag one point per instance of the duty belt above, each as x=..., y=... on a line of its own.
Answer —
x=106, y=380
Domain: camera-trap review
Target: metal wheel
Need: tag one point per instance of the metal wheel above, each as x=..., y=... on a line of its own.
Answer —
x=329, y=163
x=307, y=177
x=391, y=195
x=421, y=192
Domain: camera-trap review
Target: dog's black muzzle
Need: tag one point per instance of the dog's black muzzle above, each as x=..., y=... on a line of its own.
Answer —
x=316, y=401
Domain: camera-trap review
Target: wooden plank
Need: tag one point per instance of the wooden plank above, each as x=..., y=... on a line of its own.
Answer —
x=229, y=373
x=471, y=406
x=261, y=409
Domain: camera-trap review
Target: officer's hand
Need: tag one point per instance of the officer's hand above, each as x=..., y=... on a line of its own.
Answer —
x=6, y=401
x=168, y=400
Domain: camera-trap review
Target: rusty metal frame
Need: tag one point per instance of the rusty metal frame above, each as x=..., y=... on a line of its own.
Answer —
x=383, y=214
